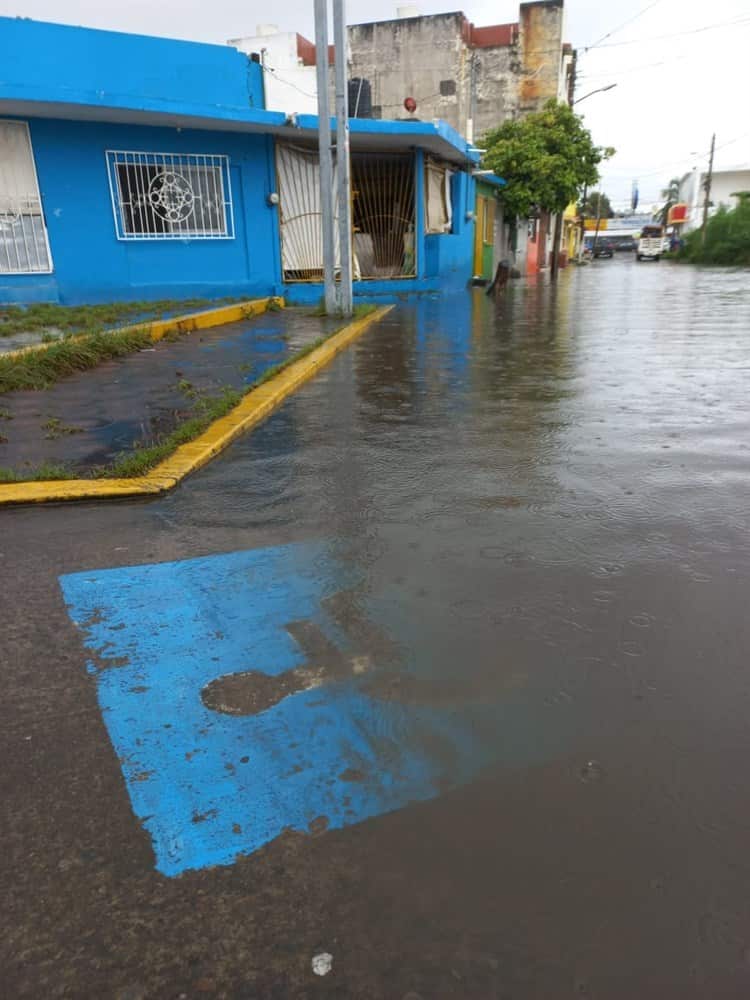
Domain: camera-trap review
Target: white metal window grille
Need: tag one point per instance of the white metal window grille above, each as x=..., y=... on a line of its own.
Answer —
x=170, y=196
x=24, y=247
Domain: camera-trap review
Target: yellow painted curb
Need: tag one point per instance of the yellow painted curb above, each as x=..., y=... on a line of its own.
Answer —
x=251, y=410
x=159, y=328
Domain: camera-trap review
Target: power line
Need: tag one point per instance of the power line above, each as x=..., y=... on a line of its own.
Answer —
x=674, y=164
x=732, y=141
x=678, y=34
x=272, y=71
x=621, y=26
x=633, y=69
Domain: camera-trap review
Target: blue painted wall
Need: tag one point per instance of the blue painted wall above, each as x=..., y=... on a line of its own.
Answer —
x=110, y=69
x=91, y=265
x=56, y=65
x=450, y=256
x=444, y=260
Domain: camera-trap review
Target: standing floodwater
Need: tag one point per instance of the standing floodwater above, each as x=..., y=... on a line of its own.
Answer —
x=480, y=591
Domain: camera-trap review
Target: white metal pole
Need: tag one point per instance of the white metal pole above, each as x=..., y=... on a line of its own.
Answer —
x=343, y=163
x=324, y=150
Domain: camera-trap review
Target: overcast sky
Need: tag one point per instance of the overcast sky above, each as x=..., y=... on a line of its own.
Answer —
x=672, y=92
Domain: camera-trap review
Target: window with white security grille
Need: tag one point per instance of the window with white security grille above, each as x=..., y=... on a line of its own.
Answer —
x=24, y=248
x=170, y=196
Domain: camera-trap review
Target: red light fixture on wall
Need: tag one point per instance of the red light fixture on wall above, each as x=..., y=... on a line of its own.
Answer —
x=411, y=105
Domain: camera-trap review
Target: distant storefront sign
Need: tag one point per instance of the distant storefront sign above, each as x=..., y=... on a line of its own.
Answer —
x=677, y=214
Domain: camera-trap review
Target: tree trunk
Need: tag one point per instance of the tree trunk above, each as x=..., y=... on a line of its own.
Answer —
x=556, y=245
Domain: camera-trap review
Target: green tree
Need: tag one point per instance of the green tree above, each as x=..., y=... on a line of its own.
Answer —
x=590, y=209
x=671, y=195
x=545, y=159
x=727, y=239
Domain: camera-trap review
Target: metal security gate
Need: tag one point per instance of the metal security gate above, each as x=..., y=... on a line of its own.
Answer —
x=24, y=247
x=383, y=217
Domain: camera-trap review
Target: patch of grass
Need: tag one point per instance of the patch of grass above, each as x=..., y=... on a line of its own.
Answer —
x=5, y=414
x=47, y=316
x=187, y=389
x=140, y=460
x=47, y=470
x=75, y=352
x=56, y=429
x=361, y=310
x=319, y=309
x=41, y=369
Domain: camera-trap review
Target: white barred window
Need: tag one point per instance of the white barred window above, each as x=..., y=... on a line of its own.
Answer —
x=170, y=196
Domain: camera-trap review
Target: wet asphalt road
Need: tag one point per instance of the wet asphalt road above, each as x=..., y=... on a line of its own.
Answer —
x=543, y=506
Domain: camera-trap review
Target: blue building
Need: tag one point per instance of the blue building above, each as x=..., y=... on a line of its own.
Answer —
x=134, y=167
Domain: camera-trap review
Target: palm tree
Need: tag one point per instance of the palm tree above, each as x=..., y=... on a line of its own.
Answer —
x=671, y=195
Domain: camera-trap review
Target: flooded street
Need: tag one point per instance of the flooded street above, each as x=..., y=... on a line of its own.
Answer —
x=481, y=586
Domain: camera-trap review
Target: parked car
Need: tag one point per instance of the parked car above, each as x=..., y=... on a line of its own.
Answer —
x=626, y=243
x=604, y=248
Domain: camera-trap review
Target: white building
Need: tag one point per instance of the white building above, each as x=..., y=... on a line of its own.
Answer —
x=288, y=68
x=724, y=185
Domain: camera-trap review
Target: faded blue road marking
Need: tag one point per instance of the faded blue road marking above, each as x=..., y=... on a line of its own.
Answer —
x=210, y=786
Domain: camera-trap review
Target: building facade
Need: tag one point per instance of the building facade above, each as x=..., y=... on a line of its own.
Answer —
x=443, y=67
x=289, y=80
x=142, y=168
x=472, y=77
x=724, y=187
x=475, y=78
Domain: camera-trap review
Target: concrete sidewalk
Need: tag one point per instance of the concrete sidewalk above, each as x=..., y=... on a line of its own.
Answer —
x=86, y=420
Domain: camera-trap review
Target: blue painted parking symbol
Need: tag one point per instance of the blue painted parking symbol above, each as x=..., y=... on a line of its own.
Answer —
x=252, y=692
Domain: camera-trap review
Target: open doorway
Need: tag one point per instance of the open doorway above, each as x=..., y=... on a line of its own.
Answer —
x=383, y=215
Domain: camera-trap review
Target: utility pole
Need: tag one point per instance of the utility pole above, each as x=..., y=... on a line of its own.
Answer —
x=343, y=161
x=324, y=153
x=598, y=219
x=556, y=241
x=572, y=77
x=707, y=186
x=582, y=233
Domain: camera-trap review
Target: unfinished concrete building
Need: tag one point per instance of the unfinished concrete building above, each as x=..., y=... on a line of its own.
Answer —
x=473, y=78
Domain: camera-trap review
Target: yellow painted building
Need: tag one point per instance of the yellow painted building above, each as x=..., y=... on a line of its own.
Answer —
x=571, y=231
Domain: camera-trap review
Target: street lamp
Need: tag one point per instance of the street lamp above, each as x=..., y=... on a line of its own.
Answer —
x=600, y=90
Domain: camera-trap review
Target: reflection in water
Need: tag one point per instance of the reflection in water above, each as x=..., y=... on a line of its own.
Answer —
x=543, y=503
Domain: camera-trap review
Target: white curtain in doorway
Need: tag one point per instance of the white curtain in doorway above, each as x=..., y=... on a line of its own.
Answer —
x=23, y=235
x=437, y=197
x=298, y=171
